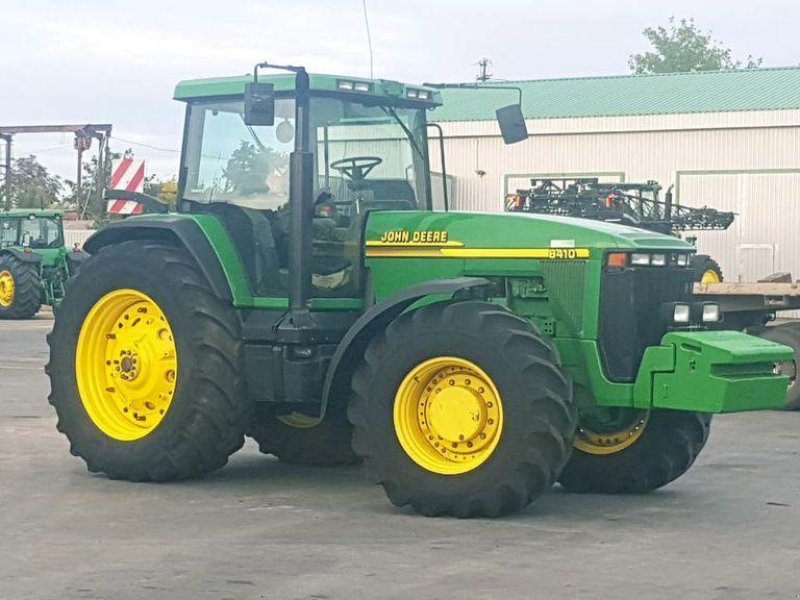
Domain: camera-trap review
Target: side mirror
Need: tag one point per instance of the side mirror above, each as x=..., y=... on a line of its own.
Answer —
x=259, y=103
x=512, y=124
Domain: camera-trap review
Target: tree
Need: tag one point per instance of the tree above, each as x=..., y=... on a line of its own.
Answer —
x=249, y=168
x=163, y=189
x=32, y=185
x=683, y=47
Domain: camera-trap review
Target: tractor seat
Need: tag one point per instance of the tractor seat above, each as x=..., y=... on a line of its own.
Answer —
x=385, y=189
x=252, y=234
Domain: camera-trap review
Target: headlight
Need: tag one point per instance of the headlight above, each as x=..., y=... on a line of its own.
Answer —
x=640, y=260
x=683, y=260
x=658, y=260
x=681, y=313
x=711, y=312
x=361, y=86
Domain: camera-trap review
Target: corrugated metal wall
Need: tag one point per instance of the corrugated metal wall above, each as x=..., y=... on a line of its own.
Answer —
x=690, y=149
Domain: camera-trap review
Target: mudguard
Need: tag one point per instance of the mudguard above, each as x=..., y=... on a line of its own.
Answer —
x=173, y=228
x=355, y=341
x=26, y=257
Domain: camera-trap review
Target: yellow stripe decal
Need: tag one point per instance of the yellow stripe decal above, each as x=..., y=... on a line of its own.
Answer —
x=398, y=251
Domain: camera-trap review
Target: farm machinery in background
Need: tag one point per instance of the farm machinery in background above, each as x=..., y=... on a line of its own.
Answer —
x=34, y=262
x=634, y=204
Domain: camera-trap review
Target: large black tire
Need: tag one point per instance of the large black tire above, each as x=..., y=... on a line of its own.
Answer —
x=667, y=447
x=788, y=335
x=205, y=422
x=325, y=444
x=539, y=418
x=27, y=281
x=706, y=268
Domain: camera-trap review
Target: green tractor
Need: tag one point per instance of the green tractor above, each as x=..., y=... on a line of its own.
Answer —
x=308, y=294
x=34, y=264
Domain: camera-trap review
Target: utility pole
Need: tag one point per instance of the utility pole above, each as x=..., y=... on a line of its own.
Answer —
x=83, y=141
x=484, y=74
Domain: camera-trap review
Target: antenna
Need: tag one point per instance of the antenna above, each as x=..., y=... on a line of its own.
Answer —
x=369, y=37
x=484, y=75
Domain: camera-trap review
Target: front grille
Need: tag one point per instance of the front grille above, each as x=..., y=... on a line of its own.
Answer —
x=630, y=314
x=566, y=284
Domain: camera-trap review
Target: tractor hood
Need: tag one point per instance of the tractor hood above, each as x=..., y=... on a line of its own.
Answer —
x=485, y=235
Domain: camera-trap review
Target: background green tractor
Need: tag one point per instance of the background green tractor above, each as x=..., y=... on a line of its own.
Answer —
x=310, y=293
x=34, y=263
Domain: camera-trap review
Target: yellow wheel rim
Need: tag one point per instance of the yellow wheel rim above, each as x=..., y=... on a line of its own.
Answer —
x=126, y=365
x=710, y=276
x=614, y=440
x=7, y=289
x=448, y=415
x=299, y=420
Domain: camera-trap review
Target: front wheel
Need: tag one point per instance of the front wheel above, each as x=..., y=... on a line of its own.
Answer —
x=20, y=288
x=145, y=366
x=462, y=409
x=620, y=450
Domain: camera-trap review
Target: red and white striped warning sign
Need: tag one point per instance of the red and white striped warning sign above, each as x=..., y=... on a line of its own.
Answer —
x=127, y=174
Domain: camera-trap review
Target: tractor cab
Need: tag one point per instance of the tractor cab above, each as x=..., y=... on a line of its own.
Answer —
x=35, y=230
x=366, y=150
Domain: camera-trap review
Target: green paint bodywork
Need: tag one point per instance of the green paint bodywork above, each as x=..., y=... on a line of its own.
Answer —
x=705, y=371
x=385, y=89
x=702, y=371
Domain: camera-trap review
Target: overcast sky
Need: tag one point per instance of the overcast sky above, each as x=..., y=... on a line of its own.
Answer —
x=117, y=61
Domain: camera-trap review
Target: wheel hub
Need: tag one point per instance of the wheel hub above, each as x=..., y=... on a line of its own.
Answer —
x=448, y=415
x=7, y=289
x=611, y=433
x=126, y=365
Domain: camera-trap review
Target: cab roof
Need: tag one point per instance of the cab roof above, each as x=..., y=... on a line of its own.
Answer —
x=30, y=212
x=234, y=86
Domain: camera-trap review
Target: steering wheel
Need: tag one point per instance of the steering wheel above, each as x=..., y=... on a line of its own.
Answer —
x=357, y=167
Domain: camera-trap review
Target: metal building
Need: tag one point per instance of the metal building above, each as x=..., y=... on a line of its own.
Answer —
x=727, y=139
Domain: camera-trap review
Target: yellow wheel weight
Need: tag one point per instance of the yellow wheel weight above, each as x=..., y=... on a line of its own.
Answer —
x=611, y=442
x=126, y=365
x=7, y=289
x=448, y=415
x=710, y=276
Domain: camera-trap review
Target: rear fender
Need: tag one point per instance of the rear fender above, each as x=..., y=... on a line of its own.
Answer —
x=174, y=229
x=26, y=257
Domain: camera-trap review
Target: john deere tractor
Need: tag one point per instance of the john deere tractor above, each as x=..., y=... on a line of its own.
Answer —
x=34, y=264
x=309, y=294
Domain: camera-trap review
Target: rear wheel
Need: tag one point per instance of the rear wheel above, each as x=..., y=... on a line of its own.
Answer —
x=462, y=409
x=20, y=288
x=706, y=268
x=788, y=335
x=619, y=450
x=304, y=440
x=145, y=368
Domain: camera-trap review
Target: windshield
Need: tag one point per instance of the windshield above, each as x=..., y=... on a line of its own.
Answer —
x=38, y=232
x=370, y=155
